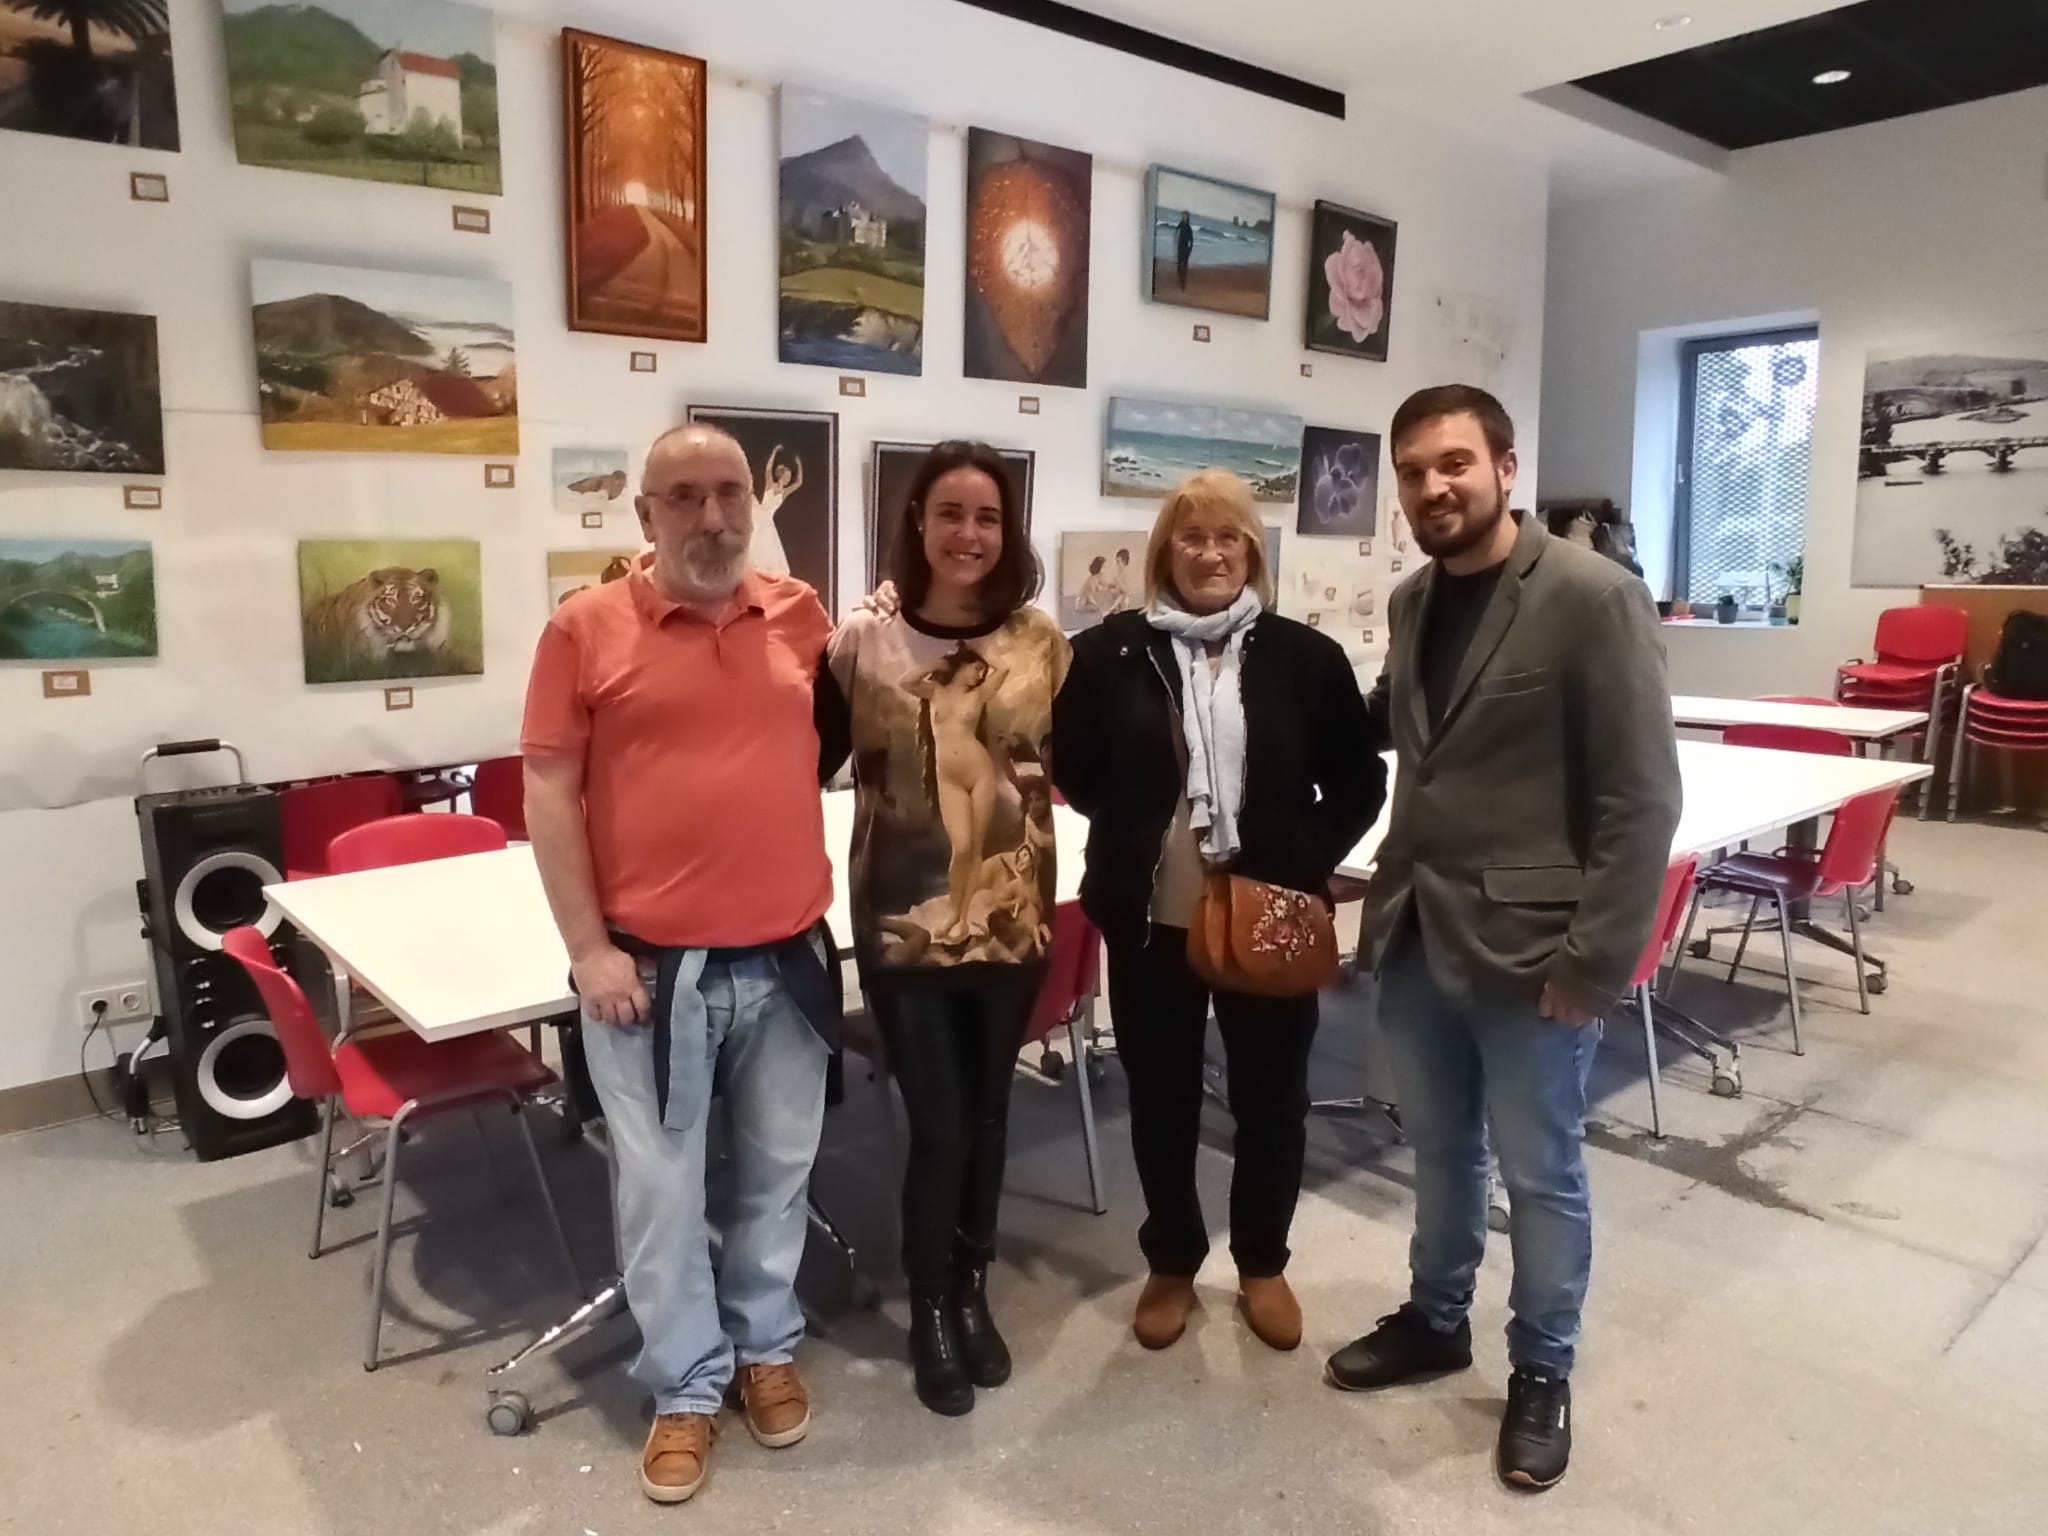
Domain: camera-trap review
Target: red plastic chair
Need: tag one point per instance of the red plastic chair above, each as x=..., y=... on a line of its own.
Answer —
x=397, y=1079
x=1678, y=882
x=498, y=791
x=314, y=815
x=1919, y=655
x=1790, y=738
x=412, y=840
x=1850, y=859
x=1997, y=721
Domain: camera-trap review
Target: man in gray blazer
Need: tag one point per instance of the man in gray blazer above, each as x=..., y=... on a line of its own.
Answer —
x=1535, y=799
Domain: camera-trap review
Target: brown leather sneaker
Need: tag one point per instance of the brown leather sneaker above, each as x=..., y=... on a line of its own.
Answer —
x=678, y=1456
x=1270, y=1309
x=1164, y=1307
x=777, y=1409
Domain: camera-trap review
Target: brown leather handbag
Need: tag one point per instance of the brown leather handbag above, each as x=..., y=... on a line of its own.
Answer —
x=1263, y=939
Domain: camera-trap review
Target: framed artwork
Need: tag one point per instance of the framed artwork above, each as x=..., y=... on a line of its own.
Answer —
x=1101, y=572
x=1350, y=282
x=850, y=213
x=1028, y=209
x=97, y=72
x=1952, y=468
x=372, y=90
x=1150, y=446
x=1210, y=243
x=76, y=599
x=591, y=480
x=356, y=360
x=794, y=456
x=1340, y=482
x=373, y=609
x=79, y=391
x=575, y=570
x=635, y=138
x=891, y=469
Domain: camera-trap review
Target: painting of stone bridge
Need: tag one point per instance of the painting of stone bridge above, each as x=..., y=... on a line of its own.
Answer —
x=76, y=599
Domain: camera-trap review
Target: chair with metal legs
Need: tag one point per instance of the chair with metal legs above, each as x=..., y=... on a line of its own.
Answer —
x=397, y=1079
x=1847, y=862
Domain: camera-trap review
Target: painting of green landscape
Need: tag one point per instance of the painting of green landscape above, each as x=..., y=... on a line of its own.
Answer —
x=377, y=90
x=76, y=599
x=851, y=215
x=371, y=609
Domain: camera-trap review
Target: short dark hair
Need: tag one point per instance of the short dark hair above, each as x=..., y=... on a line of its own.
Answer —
x=1016, y=576
x=1426, y=405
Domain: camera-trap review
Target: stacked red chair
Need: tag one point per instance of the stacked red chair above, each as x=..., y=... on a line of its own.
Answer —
x=1918, y=666
x=1996, y=721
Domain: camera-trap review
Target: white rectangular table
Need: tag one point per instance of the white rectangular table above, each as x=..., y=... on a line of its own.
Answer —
x=1862, y=724
x=458, y=946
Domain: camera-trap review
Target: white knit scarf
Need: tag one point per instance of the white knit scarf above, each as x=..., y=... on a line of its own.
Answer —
x=1212, y=713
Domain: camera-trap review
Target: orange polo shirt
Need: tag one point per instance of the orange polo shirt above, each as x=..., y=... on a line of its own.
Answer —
x=700, y=756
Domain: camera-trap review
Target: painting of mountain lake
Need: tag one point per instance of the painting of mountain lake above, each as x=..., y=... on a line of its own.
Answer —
x=76, y=599
x=79, y=392
x=374, y=90
x=1212, y=243
x=1152, y=445
x=851, y=215
x=100, y=72
x=1953, y=465
x=350, y=360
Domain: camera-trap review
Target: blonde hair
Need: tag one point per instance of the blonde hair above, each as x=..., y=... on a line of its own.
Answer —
x=1221, y=494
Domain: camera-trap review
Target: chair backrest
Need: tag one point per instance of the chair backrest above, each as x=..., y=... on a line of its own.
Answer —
x=1856, y=840
x=1924, y=634
x=1790, y=738
x=413, y=840
x=314, y=815
x=1071, y=970
x=499, y=792
x=307, y=1061
x=1678, y=881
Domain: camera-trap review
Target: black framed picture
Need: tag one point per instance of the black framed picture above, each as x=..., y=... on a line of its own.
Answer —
x=794, y=456
x=1350, y=282
x=891, y=468
x=1340, y=479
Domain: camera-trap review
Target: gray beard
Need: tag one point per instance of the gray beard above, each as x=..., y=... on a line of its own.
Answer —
x=713, y=570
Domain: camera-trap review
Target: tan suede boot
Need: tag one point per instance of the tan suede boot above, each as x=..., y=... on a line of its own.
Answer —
x=1270, y=1309
x=1164, y=1307
x=677, y=1458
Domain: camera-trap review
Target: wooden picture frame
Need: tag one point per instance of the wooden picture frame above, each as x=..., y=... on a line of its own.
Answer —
x=605, y=237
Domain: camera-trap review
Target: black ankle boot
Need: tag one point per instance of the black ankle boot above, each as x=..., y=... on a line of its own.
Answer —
x=987, y=1356
x=943, y=1384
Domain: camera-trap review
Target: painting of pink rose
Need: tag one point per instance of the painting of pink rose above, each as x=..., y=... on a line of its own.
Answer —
x=1351, y=282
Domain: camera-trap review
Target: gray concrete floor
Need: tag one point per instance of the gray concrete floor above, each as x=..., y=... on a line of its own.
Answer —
x=1823, y=1307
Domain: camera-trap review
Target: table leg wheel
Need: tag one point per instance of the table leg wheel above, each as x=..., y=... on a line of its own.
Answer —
x=340, y=1196
x=1728, y=1082
x=509, y=1413
x=1052, y=1066
x=1875, y=983
x=1901, y=886
x=1702, y=948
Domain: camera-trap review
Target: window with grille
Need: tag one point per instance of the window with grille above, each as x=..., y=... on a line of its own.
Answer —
x=1745, y=440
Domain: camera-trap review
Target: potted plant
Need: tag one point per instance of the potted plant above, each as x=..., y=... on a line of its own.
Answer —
x=1794, y=572
x=1726, y=609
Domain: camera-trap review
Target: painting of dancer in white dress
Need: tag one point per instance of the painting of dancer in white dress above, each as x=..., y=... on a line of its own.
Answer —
x=795, y=459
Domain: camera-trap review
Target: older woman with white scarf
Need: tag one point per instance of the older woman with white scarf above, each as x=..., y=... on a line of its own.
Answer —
x=1209, y=733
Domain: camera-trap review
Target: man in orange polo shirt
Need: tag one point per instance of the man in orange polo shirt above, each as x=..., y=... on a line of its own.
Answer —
x=673, y=757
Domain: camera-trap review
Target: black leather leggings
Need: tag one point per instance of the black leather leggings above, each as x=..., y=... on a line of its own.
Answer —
x=952, y=1042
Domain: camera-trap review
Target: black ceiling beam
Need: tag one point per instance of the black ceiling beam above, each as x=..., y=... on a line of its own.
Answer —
x=1136, y=41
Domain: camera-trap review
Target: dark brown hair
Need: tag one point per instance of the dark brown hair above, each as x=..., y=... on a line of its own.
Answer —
x=1426, y=405
x=1014, y=579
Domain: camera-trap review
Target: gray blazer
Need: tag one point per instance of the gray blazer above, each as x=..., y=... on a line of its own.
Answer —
x=1531, y=829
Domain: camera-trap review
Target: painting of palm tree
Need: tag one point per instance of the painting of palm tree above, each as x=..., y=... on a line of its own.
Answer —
x=89, y=69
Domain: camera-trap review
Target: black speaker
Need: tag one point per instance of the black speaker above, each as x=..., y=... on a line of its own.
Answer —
x=206, y=856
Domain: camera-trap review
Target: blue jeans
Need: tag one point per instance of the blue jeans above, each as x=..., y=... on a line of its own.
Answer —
x=1455, y=1065
x=699, y=1317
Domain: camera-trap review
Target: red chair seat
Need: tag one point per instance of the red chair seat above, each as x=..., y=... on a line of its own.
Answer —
x=1896, y=674
x=1998, y=704
x=379, y=1075
x=1785, y=876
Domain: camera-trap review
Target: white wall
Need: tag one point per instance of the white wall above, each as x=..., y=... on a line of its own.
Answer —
x=1472, y=220
x=1922, y=230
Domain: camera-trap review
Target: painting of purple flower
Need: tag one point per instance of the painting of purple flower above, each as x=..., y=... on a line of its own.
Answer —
x=1340, y=476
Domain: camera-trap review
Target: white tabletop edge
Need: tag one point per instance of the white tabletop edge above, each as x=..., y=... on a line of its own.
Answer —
x=1708, y=712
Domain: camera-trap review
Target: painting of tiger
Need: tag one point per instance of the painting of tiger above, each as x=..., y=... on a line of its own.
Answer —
x=398, y=620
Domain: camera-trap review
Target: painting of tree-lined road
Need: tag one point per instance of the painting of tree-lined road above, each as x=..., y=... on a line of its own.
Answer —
x=636, y=188
x=89, y=69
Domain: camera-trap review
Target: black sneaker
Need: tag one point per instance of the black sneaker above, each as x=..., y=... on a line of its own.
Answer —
x=1536, y=1431
x=1401, y=1348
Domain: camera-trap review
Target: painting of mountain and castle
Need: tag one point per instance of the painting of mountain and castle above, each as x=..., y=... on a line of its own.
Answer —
x=851, y=213
x=351, y=360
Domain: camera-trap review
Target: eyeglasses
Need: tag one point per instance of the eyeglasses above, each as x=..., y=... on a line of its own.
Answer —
x=1226, y=541
x=732, y=496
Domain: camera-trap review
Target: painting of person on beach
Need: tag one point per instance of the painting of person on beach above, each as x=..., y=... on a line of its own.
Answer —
x=1211, y=243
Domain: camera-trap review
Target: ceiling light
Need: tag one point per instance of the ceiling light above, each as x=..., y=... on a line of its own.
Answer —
x=1831, y=77
x=1671, y=23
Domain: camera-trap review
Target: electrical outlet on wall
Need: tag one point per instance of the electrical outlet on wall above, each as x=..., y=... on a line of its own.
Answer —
x=121, y=1002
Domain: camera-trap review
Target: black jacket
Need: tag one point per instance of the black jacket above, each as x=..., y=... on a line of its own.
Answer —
x=1312, y=785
